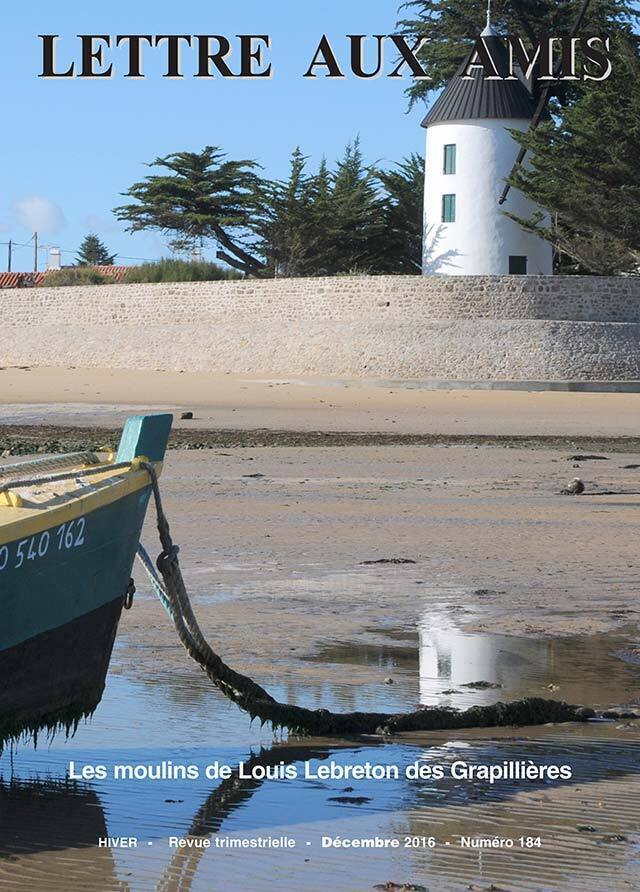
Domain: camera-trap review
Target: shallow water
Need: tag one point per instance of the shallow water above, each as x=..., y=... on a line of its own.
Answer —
x=49, y=829
x=443, y=665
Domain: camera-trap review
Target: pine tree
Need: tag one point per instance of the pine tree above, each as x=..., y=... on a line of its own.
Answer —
x=354, y=219
x=452, y=27
x=200, y=196
x=285, y=227
x=93, y=252
x=322, y=221
x=403, y=216
x=584, y=171
x=357, y=207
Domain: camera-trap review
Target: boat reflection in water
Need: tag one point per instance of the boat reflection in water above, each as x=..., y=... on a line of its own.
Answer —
x=48, y=838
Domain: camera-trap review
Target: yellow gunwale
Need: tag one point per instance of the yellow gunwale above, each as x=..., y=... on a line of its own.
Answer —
x=23, y=522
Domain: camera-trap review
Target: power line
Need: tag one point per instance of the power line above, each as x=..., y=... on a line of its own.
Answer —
x=41, y=247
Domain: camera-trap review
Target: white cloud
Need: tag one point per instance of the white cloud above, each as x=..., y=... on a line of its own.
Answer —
x=39, y=214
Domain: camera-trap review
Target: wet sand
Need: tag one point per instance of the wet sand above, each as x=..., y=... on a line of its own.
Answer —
x=534, y=592
x=274, y=544
x=92, y=397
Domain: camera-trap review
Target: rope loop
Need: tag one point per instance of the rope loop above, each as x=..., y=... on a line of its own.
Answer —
x=168, y=560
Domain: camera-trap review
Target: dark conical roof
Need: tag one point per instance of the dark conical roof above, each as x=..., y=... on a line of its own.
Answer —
x=477, y=97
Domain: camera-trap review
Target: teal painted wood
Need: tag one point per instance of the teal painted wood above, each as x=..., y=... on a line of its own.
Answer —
x=58, y=575
x=144, y=435
x=66, y=571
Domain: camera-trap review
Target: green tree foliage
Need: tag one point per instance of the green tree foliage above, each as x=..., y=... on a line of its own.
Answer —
x=322, y=218
x=357, y=206
x=171, y=270
x=199, y=196
x=584, y=169
x=74, y=275
x=454, y=25
x=93, y=252
x=403, y=215
x=285, y=225
x=354, y=218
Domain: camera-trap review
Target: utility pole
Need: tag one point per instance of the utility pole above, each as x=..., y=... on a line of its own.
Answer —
x=9, y=257
x=35, y=252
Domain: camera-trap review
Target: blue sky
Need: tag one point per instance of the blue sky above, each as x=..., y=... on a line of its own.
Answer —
x=71, y=146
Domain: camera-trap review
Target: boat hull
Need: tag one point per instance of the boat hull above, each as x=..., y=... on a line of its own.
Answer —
x=59, y=676
x=66, y=556
x=60, y=612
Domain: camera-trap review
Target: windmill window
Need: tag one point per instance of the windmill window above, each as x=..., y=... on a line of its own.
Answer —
x=517, y=265
x=449, y=159
x=448, y=209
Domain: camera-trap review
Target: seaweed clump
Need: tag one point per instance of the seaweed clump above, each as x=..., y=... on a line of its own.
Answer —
x=15, y=727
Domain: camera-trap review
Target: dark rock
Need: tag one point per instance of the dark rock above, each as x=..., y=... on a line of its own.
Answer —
x=492, y=888
x=186, y=416
x=480, y=685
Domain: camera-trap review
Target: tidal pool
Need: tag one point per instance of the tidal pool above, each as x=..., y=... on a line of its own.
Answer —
x=588, y=825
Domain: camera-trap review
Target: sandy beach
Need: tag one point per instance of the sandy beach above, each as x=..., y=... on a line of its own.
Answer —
x=349, y=576
x=270, y=535
x=90, y=397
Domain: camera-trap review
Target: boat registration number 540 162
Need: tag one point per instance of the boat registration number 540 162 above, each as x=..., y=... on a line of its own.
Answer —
x=66, y=536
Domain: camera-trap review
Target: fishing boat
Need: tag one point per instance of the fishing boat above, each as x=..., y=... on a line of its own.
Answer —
x=69, y=529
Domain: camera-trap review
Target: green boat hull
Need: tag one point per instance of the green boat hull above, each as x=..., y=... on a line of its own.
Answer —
x=61, y=596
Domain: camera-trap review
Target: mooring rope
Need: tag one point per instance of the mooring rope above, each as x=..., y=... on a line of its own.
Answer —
x=247, y=694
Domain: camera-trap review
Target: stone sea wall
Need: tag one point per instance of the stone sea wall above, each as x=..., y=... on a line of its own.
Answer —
x=480, y=328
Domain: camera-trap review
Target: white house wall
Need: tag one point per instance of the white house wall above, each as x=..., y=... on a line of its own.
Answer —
x=482, y=237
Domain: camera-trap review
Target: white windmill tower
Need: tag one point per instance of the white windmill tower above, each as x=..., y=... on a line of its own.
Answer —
x=469, y=153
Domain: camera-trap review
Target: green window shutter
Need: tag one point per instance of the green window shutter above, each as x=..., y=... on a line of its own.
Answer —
x=448, y=209
x=449, y=159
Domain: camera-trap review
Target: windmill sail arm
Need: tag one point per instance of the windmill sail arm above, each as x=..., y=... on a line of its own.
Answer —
x=535, y=120
x=545, y=95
